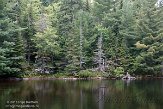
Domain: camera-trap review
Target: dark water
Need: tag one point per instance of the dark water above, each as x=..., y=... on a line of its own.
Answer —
x=81, y=94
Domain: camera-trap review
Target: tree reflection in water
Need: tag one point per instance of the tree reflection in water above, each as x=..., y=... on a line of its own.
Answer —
x=85, y=94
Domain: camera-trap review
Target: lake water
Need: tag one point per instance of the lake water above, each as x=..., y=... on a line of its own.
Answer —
x=81, y=94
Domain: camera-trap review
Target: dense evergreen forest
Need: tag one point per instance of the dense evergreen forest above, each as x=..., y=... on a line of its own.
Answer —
x=51, y=36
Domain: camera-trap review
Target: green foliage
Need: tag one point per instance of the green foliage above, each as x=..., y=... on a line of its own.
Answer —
x=28, y=75
x=140, y=46
x=63, y=75
x=11, y=50
x=62, y=34
x=86, y=74
x=119, y=71
x=45, y=42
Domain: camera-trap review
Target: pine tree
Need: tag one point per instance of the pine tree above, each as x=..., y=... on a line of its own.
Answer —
x=150, y=32
x=11, y=41
x=46, y=38
x=68, y=34
x=30, y=10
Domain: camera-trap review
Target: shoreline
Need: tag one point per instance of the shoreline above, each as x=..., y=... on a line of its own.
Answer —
x=73, y=78
x=52, y=78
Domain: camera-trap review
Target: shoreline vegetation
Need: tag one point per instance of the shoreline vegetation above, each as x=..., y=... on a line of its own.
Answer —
x=82, y=75
x=75, y=78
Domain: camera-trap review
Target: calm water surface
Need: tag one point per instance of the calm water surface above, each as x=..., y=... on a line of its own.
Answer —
x=81, y=94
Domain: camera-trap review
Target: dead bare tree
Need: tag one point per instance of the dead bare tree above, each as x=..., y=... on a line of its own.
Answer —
x=81, y=44
x=99, y=55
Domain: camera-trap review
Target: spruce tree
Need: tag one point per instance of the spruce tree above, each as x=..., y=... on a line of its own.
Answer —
x=149, y=60
x=68, y=33
x=11, y=57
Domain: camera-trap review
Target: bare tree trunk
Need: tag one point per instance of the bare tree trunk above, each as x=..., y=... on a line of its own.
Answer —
x=100, y=54
x=100, y=58
x=29, y=26
x=159, y=3
x=81, y=44
x=42, y=23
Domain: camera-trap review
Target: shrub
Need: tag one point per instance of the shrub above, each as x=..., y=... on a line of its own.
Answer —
x=62, y=75
x=119, y=71
x=28, y=74
x=86, y=74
